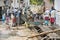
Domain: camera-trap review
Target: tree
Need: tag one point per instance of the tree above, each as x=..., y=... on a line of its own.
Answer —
x=51, y=1
x=36, y=2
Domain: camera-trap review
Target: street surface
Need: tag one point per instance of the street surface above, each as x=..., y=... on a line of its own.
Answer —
x=22, y=32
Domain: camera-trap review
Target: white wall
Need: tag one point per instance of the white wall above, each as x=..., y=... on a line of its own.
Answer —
x=57, y=7
x=57, y=4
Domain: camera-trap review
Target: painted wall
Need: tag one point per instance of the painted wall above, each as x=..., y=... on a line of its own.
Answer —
x=57, y=4
x=57, y=7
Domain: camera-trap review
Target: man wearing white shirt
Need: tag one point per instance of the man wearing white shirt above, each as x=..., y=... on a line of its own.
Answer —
x=53, y=15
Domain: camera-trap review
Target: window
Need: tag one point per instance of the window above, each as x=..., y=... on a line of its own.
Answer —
x=21, y=0
x=4, y=2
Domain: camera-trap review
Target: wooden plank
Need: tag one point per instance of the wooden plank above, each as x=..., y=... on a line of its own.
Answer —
x=46, y=32
x=56, y=26
x=44, y=28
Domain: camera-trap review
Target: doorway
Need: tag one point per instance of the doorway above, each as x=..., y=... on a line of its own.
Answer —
x=0, y=13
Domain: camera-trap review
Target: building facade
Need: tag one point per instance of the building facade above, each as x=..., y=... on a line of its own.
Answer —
x=18, y=3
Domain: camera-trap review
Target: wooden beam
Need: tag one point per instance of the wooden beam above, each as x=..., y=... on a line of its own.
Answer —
x=46, y=32
x=44, y=28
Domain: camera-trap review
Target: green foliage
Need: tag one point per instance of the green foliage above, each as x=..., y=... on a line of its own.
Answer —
x=36, y=2
x=51, y=1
